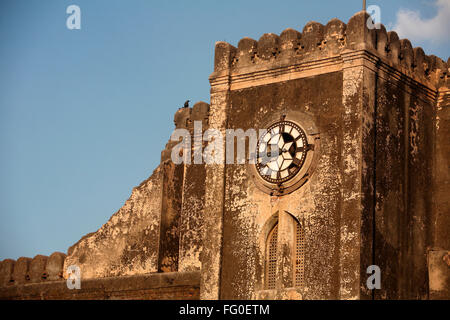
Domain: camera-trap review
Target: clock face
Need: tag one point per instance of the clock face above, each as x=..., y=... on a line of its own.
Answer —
x=281, y=152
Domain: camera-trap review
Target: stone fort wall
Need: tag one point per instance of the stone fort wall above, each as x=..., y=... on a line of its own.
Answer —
x=175, y=234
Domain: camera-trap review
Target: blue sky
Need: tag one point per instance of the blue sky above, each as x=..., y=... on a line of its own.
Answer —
x=84, y=114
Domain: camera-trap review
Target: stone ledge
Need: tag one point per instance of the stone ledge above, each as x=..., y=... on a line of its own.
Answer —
x=173, y=285
x=425, y=90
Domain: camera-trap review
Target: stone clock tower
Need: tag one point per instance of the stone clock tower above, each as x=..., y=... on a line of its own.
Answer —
x=360, y=187
x=352, y=171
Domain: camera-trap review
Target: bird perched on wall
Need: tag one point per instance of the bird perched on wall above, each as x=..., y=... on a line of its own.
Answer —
x=186, y=104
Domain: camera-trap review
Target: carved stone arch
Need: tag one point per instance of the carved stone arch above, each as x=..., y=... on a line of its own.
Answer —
x=271, y=259
x=293, y=216
x=266, y=230
x=297, y=229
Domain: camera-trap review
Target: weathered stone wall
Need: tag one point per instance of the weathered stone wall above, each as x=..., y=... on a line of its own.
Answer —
x=441, y=173
x=128, y=243
x=439, y=274
x=405, y=121
x=169, y=240
x=211, y=255
x=192, y=211
x=378, y=194
x=159, y=229
x=439, y=253
x=390, y=186
x=386, y=138
x=157, y=286
x=317, y=204
x=356, y=238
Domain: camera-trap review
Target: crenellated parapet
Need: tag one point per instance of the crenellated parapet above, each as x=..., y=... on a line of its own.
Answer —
x=6, y=271
x=32, y=270
x=319, y=42
x=184, y=118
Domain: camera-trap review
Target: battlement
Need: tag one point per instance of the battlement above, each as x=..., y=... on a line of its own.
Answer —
x=26, y=270
x=185, y=117
x=317, y=42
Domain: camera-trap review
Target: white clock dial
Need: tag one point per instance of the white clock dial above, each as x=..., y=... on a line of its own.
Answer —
x=281, y=152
